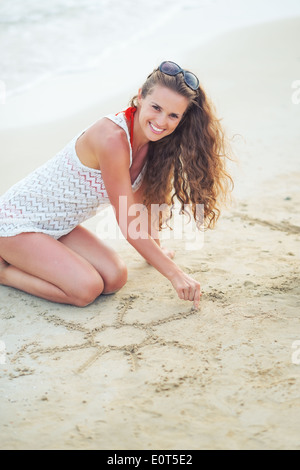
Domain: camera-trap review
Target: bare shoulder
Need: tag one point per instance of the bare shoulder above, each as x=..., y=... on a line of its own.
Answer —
x=105, y=139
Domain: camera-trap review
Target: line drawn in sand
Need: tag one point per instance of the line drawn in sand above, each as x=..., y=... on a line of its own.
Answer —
x=141, y=333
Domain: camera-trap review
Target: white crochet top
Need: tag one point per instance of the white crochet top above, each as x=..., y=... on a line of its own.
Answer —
x=59, y=195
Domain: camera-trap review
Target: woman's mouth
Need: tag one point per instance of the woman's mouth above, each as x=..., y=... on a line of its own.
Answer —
x=156, y=130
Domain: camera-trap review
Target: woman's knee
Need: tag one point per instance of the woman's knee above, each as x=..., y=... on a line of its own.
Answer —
x=116, y=278
x=88, y=291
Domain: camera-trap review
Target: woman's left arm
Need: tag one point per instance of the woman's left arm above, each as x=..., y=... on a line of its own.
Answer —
x=150, y=218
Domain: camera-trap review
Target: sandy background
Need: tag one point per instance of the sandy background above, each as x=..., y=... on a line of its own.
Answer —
x=141, y=369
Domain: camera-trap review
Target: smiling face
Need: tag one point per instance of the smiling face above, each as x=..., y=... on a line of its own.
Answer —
x=160, y=112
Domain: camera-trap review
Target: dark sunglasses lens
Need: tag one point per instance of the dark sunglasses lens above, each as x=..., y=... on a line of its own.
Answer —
x=170, y=68
x=191, y=80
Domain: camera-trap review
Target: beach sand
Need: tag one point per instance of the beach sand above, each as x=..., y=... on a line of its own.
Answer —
x=141, y=369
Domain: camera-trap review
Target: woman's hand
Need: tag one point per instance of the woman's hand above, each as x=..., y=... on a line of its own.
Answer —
x=186, y=287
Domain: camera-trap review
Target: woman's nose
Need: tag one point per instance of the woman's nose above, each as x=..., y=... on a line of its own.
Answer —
x=162, y=121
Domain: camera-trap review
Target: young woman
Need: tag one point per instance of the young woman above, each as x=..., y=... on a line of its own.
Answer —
x=166, y=145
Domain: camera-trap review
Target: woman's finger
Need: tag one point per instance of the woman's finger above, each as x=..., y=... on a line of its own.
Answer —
x=186, y=294
x=191, y=294
x=197, y=297
x=181, y=294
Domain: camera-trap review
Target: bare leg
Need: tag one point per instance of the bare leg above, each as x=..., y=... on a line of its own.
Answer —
x=105, y=260
x=42, y=266
x=3, y=264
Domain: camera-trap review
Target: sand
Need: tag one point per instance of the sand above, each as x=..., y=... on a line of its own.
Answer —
x=141, y=369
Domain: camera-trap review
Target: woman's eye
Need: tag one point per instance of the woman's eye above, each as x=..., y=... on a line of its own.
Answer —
x=156, y=107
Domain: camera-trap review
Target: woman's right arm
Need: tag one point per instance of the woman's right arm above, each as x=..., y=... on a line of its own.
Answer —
x=114, y=160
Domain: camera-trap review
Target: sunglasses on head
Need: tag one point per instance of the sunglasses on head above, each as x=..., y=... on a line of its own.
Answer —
x=170, y=68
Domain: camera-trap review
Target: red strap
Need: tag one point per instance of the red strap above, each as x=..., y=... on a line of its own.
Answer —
x=129, y=114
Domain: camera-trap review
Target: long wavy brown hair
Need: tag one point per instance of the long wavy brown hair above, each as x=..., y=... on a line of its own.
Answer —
x=190, y=164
